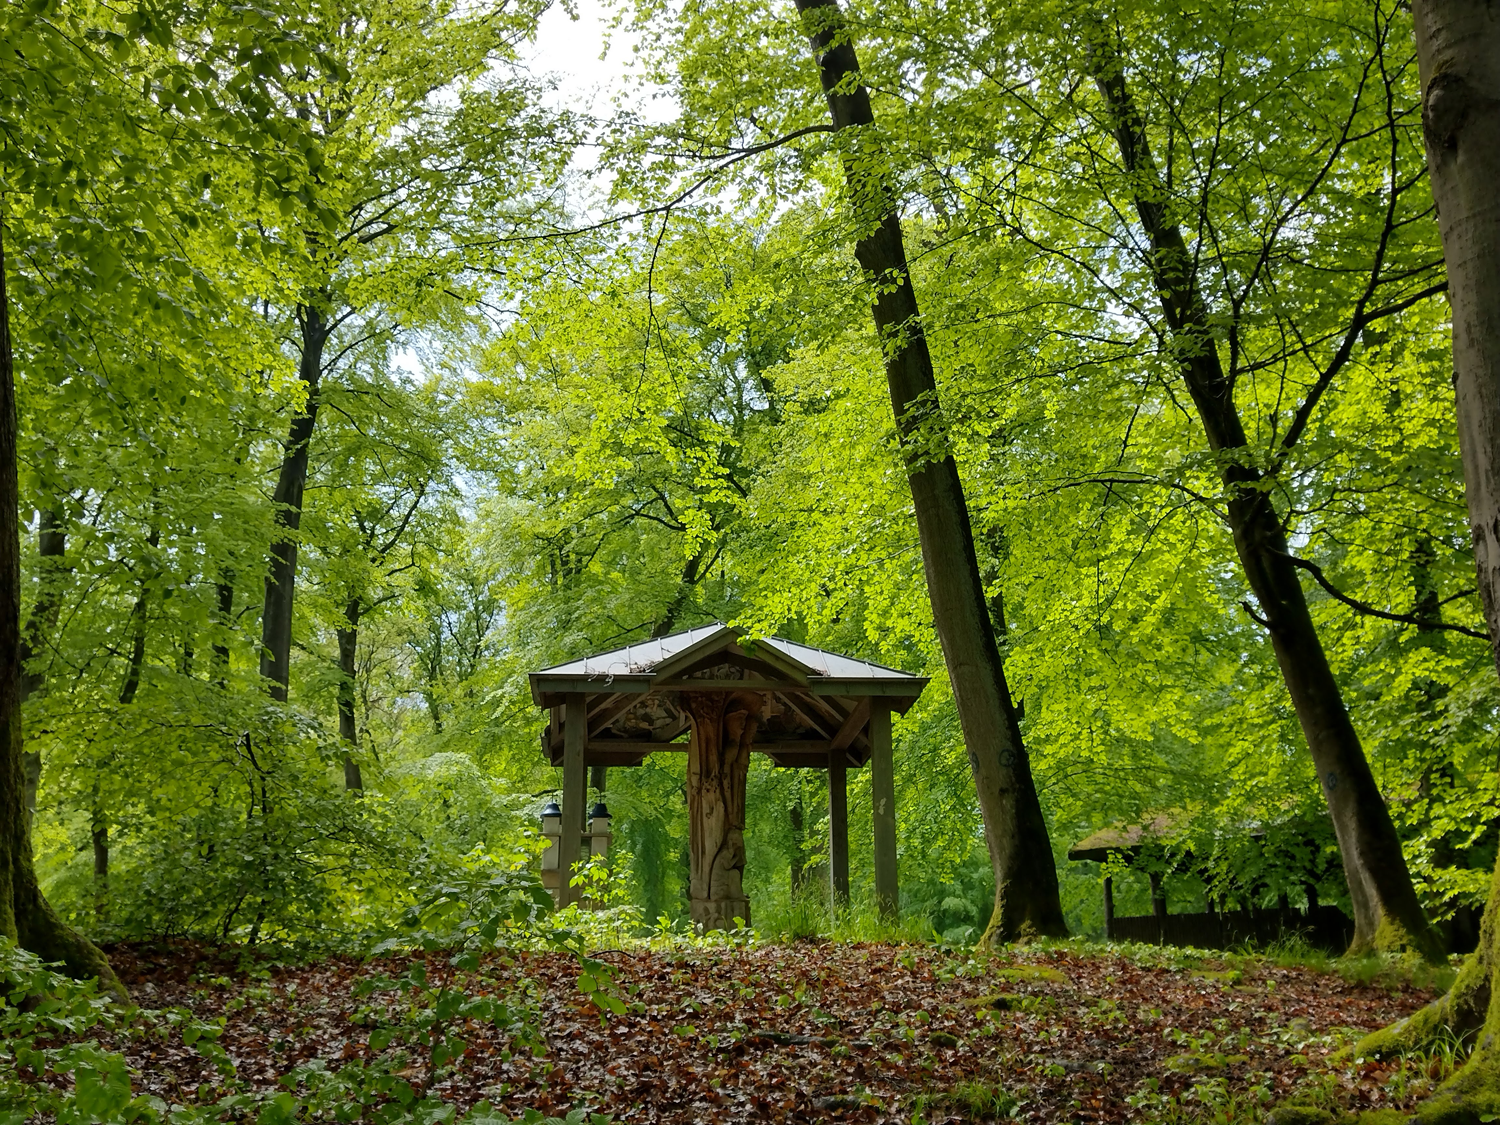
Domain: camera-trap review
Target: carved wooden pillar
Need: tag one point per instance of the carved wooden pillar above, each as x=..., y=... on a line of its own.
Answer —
x=724, y=725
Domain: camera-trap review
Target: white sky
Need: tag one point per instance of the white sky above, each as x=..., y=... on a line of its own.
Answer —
x=570, y=50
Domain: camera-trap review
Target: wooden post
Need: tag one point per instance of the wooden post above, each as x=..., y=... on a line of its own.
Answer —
x=575, y=793
x=883, y=809
x=838, y=826
x=1159, y=908
x=1109, y=907
x=724, y=727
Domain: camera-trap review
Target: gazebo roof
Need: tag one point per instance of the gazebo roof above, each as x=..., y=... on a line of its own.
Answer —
x=646, y=658
x=817, y=702
x=1125, y=839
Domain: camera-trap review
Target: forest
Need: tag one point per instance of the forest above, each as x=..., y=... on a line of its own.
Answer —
x=1115, y=383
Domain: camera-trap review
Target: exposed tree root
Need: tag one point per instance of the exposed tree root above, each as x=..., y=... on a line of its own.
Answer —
x=1470, y=1096
x=41, y=931
x=1469, y=1008
x=1461, y=1011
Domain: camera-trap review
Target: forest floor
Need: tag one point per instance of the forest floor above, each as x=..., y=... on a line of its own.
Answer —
x=817, y=1031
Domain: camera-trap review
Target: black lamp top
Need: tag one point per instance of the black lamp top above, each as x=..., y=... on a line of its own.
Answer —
x=598, y=810
x=551, y=809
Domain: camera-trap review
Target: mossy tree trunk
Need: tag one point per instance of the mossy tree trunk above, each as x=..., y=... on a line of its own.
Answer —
x=25, y=914
x=1458, y=54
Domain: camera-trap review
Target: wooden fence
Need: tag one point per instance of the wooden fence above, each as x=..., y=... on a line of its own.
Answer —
x=1325, y=928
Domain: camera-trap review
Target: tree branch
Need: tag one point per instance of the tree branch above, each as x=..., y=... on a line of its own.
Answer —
x=1371, y=611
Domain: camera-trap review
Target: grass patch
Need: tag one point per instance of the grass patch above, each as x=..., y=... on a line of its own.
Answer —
x=974, y=1101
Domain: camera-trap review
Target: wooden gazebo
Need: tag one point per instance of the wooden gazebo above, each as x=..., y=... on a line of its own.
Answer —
x=729, y=696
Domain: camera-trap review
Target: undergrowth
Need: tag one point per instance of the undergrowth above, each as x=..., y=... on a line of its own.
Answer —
x=55, y=1062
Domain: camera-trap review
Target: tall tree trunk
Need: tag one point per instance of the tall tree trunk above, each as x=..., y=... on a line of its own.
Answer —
x=281, y=579
x=139, y=612
x=129, y=687
x=224, y=619
x=51, y=548
x=1026, y=894
x=799, y=838
x=99, y=838
x=1458, y=57
x=432, y=671
x=668, y=620
x=1387, y=912
x=25, y=914
x=348, y=730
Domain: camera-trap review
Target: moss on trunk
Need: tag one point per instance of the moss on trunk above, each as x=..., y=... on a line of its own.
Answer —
x=1468, y=1009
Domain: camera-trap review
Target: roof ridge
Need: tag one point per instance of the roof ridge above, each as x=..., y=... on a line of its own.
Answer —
x=635, y=658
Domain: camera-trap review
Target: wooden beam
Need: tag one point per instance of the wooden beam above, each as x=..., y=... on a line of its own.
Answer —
x=721, y=685
x=610, y=708
x=735, y=657
x=883, y=811
x=822, y=726
x=635, y=746
x=838, y=827
x=814, y=746
x=852, y=725
x=575, y=781
x=598, y=759
x=824, y=685
x=842, y=714
x=670, y=734
x=716, y=641
x=787, y=666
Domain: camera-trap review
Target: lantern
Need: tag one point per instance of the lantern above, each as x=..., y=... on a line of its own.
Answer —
x=599, y=830
x=552, y=833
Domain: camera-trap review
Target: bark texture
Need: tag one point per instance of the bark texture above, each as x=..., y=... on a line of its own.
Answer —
x=25, y=914
x=281, y=578
x=348, y=731
x=51, y=549
x=1458, y=56
x=724, y=726
x=224, y=620
x=1387, y=913
x=1026, y=894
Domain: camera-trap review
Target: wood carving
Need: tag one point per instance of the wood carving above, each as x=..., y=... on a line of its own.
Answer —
x=724, y=726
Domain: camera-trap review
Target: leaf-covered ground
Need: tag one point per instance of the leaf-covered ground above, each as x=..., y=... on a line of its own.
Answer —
x=823, y=1031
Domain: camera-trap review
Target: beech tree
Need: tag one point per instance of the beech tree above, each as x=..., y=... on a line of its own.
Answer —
x=407, y=124
x=1458, y=47
x=1387, y=912
x=25, y=914
x=1026, y=896
x=82, y=102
